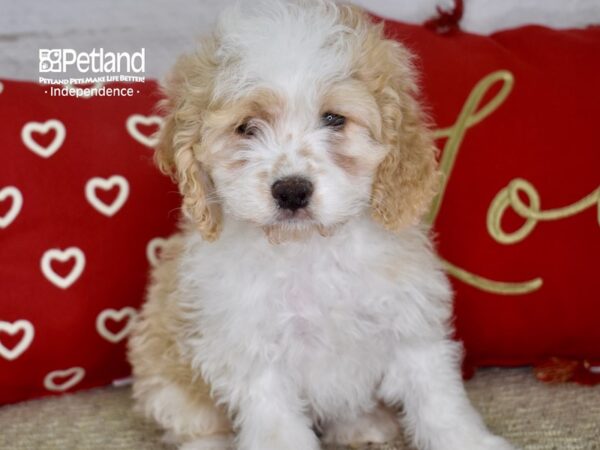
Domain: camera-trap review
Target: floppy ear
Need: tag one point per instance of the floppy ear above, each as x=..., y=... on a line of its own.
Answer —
x=179, y=143
x=407, y=179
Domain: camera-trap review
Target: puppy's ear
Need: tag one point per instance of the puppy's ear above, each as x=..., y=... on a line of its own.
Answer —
x=407, y=179
x=179, y=144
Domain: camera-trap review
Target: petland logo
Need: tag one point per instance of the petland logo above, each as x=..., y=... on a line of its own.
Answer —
x=97, y=61
x=71, y=69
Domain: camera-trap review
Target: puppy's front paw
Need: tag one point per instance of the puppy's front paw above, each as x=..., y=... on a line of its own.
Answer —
x=376, y=427
x=288, y=435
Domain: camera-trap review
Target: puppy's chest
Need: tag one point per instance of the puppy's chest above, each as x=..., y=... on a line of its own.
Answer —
x=325, y=313
x=323, y=297
x=314, y=302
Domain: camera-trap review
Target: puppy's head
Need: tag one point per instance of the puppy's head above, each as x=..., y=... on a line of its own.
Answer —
x=296, y=116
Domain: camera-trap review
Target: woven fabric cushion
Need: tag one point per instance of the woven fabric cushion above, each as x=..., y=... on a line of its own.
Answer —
x=81, y=206
x=518, y=220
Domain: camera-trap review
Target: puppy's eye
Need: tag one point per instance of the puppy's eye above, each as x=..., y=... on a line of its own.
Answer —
x=332, y=120
x=245, y=129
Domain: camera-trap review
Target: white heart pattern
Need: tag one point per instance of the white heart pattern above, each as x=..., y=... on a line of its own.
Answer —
x=71, y=377
x=107, y=184
x=43, y=127
x=117, y=316
x=132, y=127
x=24, y=343
x=154, y=246
x=56, y=254
x=17, y=203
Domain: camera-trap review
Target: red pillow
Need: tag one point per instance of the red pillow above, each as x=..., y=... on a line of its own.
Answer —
x=517, y=117
x=81, y=207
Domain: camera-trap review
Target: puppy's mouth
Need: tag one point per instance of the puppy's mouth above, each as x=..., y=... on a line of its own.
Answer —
x=295, y=225
x=298, y=216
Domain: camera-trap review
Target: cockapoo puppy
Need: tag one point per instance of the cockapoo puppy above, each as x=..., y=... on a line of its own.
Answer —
x=301, y=297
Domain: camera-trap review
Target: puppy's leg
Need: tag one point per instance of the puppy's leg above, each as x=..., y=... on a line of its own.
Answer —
x=191, y=419
x=426, y=378
x=271, y=417
x=377, y=427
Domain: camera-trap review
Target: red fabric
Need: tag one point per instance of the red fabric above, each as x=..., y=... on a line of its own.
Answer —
x=544, y=132
x=56, y=213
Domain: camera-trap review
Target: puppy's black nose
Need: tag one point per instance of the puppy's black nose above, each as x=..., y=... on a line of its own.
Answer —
x=292, y=192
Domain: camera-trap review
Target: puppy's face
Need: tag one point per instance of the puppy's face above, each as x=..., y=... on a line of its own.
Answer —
x=297, y=116
x=288, y=159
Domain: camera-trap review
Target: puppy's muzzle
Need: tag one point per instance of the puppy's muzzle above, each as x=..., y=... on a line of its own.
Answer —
x=292, y=193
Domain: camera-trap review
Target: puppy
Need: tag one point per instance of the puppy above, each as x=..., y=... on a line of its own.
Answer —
x=301, y=296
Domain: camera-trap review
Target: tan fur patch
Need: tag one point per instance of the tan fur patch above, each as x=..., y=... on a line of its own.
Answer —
x=237, y=164
x=187, y=92
x=352, y=99
x=347, y=163
x=407, y=179
x=154, y=353
x=305, y=152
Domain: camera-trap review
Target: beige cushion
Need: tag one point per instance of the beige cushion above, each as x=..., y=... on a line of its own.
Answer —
x=533, y=415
